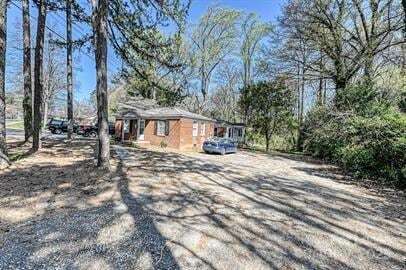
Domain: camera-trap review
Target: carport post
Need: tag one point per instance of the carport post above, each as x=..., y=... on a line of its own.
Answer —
x=122, y=131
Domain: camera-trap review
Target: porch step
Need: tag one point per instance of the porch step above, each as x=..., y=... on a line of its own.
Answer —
x=142, y=142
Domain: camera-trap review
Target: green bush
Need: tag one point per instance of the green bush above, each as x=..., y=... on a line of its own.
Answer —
x=281, y=142
x=369, y=141
x=163, y=144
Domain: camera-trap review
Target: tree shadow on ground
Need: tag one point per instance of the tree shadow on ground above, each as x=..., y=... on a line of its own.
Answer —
x=165, y=210
x=155, y=244
x=302, y=203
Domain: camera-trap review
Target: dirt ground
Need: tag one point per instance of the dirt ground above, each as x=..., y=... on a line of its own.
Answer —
x=162, y=209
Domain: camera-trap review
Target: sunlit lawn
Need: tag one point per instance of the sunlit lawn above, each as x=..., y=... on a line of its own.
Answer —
x=15, y=124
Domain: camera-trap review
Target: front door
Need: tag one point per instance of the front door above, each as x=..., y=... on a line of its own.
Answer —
x=141, y=130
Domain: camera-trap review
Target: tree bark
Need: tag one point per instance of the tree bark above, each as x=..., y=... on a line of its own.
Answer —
x=45, y=113
x=27, y=101
x=298, y=141
x=69, y=67
x=267, y=139
x=38, y=76
x=4, y=161
x=341, y=84
x=404, y=39
x=302, y=90
x=99, y=18
x=320, y=90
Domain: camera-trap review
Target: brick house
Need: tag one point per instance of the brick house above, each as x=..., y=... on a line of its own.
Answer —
x=163, y=126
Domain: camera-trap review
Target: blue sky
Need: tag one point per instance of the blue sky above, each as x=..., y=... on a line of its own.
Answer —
x=84, y=72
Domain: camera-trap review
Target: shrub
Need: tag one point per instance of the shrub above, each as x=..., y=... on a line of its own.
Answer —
x=163, y=144
x=370, y=143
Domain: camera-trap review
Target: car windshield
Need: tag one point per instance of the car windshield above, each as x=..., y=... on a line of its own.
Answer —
x=55, y=122
x=219, y=140
x=213, y=139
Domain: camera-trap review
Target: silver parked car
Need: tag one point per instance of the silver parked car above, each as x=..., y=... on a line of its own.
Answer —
x=220, y=146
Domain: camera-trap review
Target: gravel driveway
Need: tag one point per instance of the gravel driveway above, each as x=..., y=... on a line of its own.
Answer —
x=162, y=209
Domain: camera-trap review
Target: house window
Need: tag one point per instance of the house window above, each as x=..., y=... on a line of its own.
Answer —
x=161, y=127
x=230, y=132
x=239, y=132
x=195, y=128
x=202, y=129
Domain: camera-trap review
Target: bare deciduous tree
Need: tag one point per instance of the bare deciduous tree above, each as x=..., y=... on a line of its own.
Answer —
x=350, y=34
x=224, y=99
x=213, y=38
x=253, y=32
x=54, y=74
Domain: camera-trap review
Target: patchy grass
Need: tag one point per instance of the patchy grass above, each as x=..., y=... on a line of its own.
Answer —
x=19, y=124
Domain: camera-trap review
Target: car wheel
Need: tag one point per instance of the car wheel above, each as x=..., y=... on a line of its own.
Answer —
x=52, y=131
x=93, y=134
x=222, y=151
x=58, y=131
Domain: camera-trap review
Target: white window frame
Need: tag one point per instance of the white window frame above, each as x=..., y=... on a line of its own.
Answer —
x=142, y=127
x=195, y=128
x=239, y=132
x=202, y=129
x=160, y=124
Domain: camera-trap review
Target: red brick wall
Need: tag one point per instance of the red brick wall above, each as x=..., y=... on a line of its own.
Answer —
x=187, y=141
x=180, y=133
x=172, y=140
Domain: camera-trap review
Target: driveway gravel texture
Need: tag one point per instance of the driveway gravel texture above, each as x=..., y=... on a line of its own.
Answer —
x=165, y=209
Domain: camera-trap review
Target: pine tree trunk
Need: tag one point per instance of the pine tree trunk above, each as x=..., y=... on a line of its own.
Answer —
x=99, y=18
x=69, y=67
x=4, y=161
x=38, y=76
x=27, y=102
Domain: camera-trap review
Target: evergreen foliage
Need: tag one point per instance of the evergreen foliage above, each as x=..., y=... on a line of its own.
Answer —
x=367, y=136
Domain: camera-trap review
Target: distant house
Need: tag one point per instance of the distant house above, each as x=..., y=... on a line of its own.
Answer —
x=145, y=122
x=225, y=129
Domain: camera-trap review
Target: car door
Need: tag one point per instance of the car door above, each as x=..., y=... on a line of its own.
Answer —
x=231, y=146
x=64, y=126
x=227, y=144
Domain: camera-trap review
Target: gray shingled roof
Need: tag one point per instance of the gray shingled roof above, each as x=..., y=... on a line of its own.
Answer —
x=228, y=123
x=151, y=111
x=174, y=112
